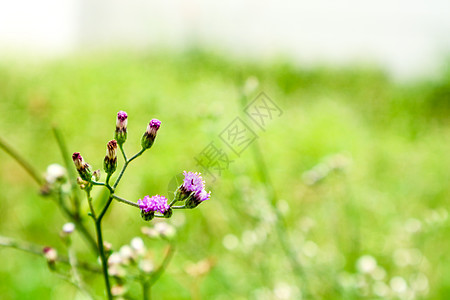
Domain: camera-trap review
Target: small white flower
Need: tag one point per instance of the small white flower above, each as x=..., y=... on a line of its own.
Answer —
x=146, y=265
x=138, y=245
x=165, y=229
x=54, y=172
x=68, y=228
x=126, y=253
x=118, y=290
x=114, y=259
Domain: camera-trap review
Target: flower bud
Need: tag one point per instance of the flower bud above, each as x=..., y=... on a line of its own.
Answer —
x=110, y=162
x=55, y=172
x=96, y=175
x=50, y=254
x=150, y=134
x=197, y=198
x=82, y=167
x=68, y=228
x=146, y=266
x=121, y=127
x=107, y=246
x=118, y=290
x=138, y=246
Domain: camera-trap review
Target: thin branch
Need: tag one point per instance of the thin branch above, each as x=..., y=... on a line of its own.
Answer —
x=179, y=207
x=111, y=190
x=38, y=250
x=22, y=161
x=125, y=201
x=78, y=222
x=126, y=165
x=157, y=274
x=69, y=167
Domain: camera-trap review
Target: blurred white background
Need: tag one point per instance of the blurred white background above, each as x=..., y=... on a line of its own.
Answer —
x=408, y=38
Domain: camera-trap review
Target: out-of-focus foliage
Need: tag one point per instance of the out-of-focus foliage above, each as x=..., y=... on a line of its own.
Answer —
x=377, y=227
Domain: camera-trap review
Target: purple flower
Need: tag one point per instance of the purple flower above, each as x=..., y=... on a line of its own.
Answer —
x=202, y=195
x=198, y=198
x=121, y=127
x=192, y=190
x=150, y=134
x=153, y=204
x=192, y=182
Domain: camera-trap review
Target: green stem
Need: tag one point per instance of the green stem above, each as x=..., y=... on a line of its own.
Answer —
x=179, y=207
x=126, y=165
x=108, y=177
x=175, y=200
x=98, y=220
x=76, y=275
x=145, y=288
x=157, y=274
x=22, y=161
x=102, y=214
x=123, y=152
x=78, y=222
x=98, y=228
x=106, y=185
x=101, y=249
x=91, y=206
x=125, y=201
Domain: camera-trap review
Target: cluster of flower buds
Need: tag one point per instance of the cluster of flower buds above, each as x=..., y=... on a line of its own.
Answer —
x=192, y=190
x=134, y=254
x=110, y=161
x=150, y=134
x=121, y=127
x=150, y=205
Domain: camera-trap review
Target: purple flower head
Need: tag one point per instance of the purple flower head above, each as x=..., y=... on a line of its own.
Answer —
x=121, y=121
x=192, y=182
x=154, y=124
x=202, y=195
x=155, y=203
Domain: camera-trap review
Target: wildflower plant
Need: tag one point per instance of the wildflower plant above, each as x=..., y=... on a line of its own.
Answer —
x=132, y=261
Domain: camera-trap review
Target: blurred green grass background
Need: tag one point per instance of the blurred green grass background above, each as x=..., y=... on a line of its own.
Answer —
x=391, y=202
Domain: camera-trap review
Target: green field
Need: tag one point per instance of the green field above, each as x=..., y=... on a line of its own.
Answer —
x=357, y=167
